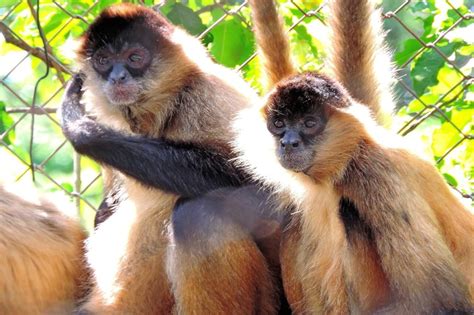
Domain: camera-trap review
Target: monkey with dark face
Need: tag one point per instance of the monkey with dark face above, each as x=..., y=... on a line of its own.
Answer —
x=298, y=129
x=166, y=88
x=376, y=227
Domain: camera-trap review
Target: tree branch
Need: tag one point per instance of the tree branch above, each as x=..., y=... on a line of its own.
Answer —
x=11, y=38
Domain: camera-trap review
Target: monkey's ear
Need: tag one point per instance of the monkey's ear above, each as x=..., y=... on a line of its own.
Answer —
x=266, y=104
x=81, y=50
x=264, y=111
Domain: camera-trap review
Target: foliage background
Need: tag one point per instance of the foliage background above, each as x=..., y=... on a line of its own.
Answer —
x=432, y=42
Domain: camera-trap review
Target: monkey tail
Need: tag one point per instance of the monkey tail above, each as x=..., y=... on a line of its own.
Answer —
x=272, y=42
x=358, y=56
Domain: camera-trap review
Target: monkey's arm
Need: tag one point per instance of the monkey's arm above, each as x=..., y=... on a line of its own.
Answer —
x=179, y=168
x=413, y=253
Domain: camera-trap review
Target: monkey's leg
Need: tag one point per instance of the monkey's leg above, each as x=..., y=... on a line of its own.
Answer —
x=288, y=255
x=126, y=254
x=213, y=263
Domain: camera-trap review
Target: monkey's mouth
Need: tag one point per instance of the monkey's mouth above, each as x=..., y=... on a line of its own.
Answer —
x=295, y=162
x=122, y=94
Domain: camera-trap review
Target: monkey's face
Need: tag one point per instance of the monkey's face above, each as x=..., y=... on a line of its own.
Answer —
x=119, y=51
x=121, y=69
x=296, y=137
x=297, y=113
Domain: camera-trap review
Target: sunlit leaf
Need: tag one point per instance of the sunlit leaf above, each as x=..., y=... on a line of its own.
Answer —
x=444, y=138
x=8, y=3
x=450, y=179
x=187, y=18
x=68, y=187
x=233, y=43
x=6, y=121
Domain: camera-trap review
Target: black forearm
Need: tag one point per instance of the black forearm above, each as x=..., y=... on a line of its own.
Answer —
x=178, y=168
x=184, y=169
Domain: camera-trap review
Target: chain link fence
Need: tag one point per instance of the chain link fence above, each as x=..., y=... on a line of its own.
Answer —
x=37, y=60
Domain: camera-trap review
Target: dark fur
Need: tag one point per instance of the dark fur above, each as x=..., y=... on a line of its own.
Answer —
x=304, y=93
x=112, y=28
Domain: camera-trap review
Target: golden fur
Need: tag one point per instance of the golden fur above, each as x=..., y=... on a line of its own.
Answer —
x=421, y=258
x=126, y=252
x=272, y=42
x=41, y=257
x=430, y=266
x=357, y=55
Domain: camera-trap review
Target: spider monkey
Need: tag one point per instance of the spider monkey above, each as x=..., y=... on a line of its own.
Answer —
x=375, y=229
x=166, y=108
x=41, y=257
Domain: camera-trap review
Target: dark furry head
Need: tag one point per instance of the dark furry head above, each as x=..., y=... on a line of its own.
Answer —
x=125, y=22
x=305, y=93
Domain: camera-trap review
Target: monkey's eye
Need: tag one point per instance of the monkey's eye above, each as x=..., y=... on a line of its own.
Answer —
x=102, y=60
x=278, y=123
x=135, y=58
x=310, y=123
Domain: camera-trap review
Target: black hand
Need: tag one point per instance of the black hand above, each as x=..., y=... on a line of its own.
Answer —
x=71, y=108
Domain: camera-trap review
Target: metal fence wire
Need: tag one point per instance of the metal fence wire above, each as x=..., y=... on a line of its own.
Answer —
x=40, y=61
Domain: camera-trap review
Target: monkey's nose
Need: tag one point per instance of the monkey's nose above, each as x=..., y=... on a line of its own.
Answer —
x=290, y=143
x=118, y=74
x=119, y=78
x=290, y=140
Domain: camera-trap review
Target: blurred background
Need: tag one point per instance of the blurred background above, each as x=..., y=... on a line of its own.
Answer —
x=432, y=41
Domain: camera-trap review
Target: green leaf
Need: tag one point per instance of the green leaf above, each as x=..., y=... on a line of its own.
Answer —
x=450, y=179
x=8, y=3
x=444, y=138
x=425, y=70
x=417, y=105
x=447, y=78
x=233, y=42
x=68, y=187
x=183, y=16
x=304, y=50
x=466, y=50
x=6, y=121
x=463, y=119
x=409, y=48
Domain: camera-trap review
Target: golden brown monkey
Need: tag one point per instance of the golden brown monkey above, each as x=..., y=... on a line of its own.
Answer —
x=375, y=228
x=163, y=85
x=42, y=267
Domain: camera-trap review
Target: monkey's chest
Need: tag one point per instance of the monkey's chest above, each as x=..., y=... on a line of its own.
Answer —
x=141, y=123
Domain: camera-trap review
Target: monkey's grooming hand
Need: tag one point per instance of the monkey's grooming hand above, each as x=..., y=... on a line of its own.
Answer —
x=77, y=127
x=71, y=108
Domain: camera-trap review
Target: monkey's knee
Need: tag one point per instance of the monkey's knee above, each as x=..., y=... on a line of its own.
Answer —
x=215, y=266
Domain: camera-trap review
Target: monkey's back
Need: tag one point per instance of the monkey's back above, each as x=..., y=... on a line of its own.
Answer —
x=40, y=257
